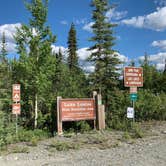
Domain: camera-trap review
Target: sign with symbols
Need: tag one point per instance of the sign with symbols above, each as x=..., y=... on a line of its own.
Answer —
x=16, y=108
x=133, y=77
x=16, y=92
x=133, y=97
x=133, y=90
x=130, y=112
x=77, y=109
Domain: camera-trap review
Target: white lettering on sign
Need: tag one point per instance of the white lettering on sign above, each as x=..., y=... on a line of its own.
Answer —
x=16, y=87
x=133, y=76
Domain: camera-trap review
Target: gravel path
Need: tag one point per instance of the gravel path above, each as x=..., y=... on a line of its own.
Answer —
x=149, y=151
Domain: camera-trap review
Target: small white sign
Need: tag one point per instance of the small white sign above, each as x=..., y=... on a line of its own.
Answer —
x=130, y=112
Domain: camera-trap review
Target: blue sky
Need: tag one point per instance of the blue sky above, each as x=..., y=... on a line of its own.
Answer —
x=141, y=26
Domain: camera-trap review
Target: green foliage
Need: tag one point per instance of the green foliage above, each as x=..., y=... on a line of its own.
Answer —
x=30, y=135
x=19, y=149
x=151, y=106
x=137, y=132
x=36, y=65
x=64, y=146
x=72, y=48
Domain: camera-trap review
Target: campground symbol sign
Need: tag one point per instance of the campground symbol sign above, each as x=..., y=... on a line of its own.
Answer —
x=16, y=92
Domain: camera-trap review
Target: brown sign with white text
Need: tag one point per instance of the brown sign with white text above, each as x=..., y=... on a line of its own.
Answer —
x=133, y=77
x=16, y=108
x=77, y=109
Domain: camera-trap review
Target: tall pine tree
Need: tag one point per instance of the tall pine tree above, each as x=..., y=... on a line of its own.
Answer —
x=72, y=49
x=105, y=76
x=76, y=79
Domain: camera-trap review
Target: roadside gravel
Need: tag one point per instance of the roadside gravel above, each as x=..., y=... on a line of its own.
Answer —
x=147, y=151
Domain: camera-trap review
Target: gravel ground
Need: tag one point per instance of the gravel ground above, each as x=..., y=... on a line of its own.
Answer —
x=147, y=151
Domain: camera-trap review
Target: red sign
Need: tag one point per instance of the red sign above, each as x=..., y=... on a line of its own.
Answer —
x=16, y=108
x=133, y=77
x=77, y=109
x=16, y=92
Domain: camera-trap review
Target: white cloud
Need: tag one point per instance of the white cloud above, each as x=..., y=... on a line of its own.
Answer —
x=9, y=30
x=56, y=49
x=155, y=21
x=160, y=2
x=157, y=59
x=88, y=27
x=115, y=15
x=80, y=21
x=160, y=44
x=64, y=22
x=83, y=53
x=110, y=14
x=160, y=66
x=122, y=57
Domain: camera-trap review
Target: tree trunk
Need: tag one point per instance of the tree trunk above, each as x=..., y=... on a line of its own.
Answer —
x=36, y=111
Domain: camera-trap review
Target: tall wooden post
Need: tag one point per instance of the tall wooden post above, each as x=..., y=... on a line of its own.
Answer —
x=100, y=113
x=95, y=97
x=59, y=121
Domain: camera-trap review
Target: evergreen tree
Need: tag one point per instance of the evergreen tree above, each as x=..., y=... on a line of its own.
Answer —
x=72, y=49
x=36, y=66
x=105, y=77
x=76, y=79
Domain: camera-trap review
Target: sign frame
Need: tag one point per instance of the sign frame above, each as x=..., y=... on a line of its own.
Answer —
x=84, y=109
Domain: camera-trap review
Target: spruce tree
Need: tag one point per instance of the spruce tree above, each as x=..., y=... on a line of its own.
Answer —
x=76, y=79
x=72, y=49
x=105, y=76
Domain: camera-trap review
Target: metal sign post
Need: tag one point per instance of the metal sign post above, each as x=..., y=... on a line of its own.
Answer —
x=133, y=78
x=16, y=124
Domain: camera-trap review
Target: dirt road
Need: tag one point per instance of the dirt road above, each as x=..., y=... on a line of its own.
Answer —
x=147, y=151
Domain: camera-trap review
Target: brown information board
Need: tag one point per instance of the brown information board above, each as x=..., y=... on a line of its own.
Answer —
x=77, y=109
x=133, y=77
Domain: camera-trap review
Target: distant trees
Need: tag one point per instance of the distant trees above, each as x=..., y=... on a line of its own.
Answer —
x=44, y=74
x=5, y=76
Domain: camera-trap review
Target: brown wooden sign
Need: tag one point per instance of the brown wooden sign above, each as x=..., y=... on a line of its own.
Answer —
x=133, y=77
x=77, y=109
x=16, y=92
x=16, y=108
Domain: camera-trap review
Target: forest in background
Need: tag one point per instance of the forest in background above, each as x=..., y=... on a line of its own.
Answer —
x=44, y=75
